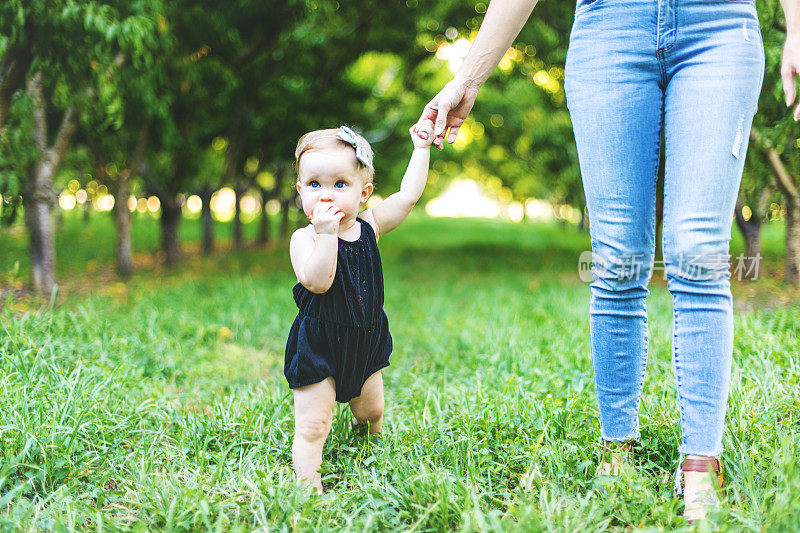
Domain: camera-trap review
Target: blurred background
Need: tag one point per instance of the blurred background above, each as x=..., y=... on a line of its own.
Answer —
x=136, y=133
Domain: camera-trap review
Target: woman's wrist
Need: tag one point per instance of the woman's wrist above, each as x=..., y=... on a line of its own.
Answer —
x=791, y=12
x=469, y=81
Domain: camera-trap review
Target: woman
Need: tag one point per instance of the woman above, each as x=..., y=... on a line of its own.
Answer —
x=693, y=68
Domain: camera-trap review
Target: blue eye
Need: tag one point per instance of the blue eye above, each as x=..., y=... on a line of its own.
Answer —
x=314, y=184
x=340, y=184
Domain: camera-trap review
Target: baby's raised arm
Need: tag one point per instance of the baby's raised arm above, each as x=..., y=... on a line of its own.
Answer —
x=394, y=209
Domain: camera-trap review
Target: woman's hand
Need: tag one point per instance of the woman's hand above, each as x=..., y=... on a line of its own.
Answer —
x=449, y=109
x=790, y=67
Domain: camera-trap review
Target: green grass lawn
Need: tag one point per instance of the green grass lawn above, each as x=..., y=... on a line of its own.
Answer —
x=161, y=403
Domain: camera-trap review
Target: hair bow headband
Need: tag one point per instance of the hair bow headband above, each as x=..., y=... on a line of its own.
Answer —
x=362, y=152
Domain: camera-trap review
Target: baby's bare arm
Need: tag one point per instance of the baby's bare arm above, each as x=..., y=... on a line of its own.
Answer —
x=392, y=211
x=314, y=258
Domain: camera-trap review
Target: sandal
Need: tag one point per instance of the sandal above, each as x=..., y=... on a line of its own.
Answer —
x=620, y=453
x=706, y=498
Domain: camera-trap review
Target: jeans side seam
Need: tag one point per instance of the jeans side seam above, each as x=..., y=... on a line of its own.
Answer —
x=676, y=362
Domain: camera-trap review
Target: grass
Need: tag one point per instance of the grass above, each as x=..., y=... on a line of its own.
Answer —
x=161, y=404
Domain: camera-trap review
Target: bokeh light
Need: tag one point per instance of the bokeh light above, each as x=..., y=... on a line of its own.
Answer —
x=104, y=203
x=223, y=204
x=153, y=204
x=538, y=210
x=273, y=207
x=194, y=204
x=516, y=212
x=66, y=201
x=463, y=198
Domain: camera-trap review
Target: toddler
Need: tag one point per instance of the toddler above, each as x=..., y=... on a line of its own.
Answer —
x=340, y=340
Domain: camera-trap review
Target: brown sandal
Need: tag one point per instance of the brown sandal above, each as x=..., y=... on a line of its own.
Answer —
x=708, y=464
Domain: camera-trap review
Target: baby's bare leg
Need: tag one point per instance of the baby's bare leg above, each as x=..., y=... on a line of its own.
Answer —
x=313, y=414
x=368, y=406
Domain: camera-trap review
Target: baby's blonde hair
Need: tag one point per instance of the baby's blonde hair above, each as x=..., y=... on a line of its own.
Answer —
x=322, y=139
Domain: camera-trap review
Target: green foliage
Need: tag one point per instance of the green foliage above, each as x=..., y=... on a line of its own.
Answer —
x=17, y=155
x=78, y=47
x=773, y=119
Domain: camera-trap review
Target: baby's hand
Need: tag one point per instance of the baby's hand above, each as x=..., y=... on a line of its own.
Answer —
x=326, y=218
x=422, y=134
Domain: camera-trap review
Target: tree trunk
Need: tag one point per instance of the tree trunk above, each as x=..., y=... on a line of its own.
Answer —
x=751, y=231
x=170, y=219
x=122, y=219
x=39, y=196
x=788, y=187
x=284, y=232
x=231, y=172
x=793, y=242
x=38, y=202
x=87, y=207
x=263, y=228
x=659, y=253
x=208, y=221
x=122, y=215
x=237, y=216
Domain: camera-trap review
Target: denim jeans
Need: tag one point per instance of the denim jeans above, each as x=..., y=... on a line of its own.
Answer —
x=693, y=68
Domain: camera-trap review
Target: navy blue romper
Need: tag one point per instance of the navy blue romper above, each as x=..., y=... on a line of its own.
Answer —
x=342, y=332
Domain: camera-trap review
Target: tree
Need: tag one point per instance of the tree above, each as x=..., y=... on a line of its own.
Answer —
x=774, y=134
x=118, y=147
x=60, y=81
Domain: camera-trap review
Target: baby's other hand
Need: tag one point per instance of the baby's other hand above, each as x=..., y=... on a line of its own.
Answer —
x=422, y=134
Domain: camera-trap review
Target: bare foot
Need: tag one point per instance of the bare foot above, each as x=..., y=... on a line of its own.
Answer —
x=620, y=456
x=698, y=495
x=699, y=492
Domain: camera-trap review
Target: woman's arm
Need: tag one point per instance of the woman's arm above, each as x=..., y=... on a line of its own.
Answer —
x=790, y=64
x=501, y=25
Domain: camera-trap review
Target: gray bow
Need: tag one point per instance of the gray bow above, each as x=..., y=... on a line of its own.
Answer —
x=350, y=137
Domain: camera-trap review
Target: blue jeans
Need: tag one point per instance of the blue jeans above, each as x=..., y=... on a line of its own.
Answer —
x=693, y=68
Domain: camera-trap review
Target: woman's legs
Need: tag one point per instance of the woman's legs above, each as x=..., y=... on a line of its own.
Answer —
x=715, y=69
x=705, y=58
x=616, y=103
